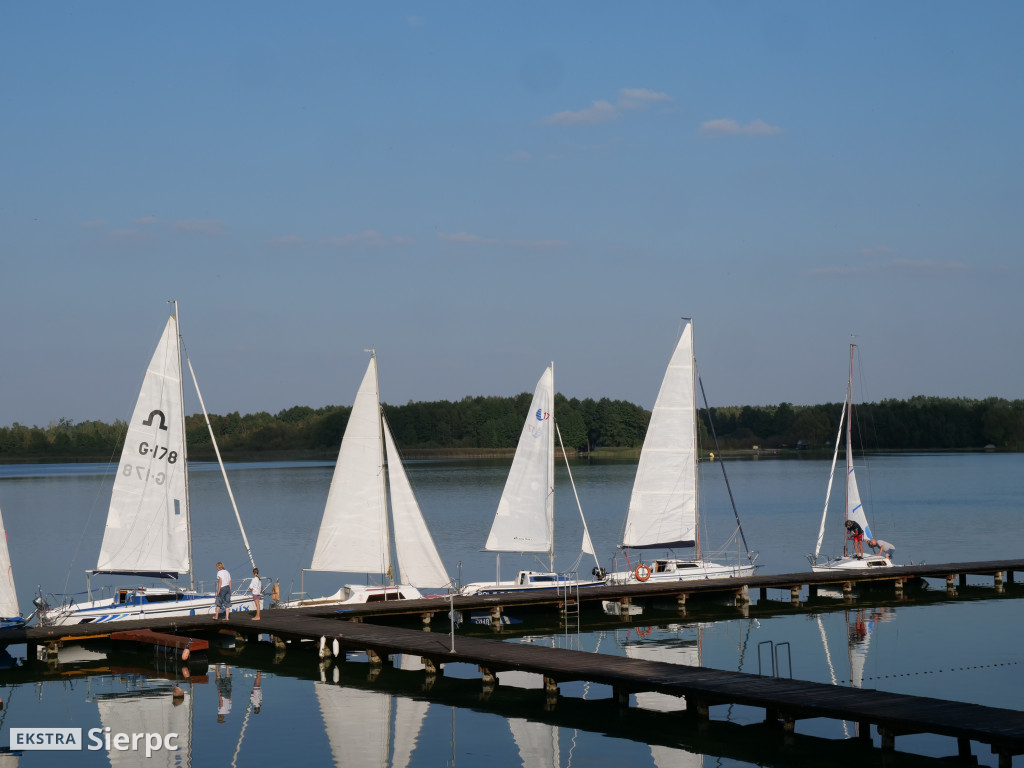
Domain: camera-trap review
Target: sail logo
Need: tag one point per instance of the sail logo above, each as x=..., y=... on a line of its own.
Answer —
x=542, y=415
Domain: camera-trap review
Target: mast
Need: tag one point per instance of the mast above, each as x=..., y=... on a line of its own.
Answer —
x=184, y=448
x=849, y=442
x=389, y=572
x=696, y=442
x=550, y=502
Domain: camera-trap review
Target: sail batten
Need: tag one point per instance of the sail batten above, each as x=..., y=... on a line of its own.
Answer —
x=663, y=504
x=147, y=522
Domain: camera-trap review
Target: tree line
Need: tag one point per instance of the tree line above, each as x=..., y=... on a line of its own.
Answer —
x=477, y=425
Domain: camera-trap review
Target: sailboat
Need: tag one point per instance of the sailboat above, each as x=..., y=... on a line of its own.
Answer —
x=355, y=536
x=148, y=531
x=525, y=519
x=663, y=507
x=854, y=507
x=148, y=707
x=10, y=616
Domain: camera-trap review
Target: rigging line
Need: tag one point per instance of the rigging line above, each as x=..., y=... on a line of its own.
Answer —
x=220, y=461
x=714, y=437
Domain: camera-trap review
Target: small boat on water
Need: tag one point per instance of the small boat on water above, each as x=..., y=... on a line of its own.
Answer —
x=148, y=532
x=525, y=518
x=854, y=516
x=355, y=531
x=664, y=509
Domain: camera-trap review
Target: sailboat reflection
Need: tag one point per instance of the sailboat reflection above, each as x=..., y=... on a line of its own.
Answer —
x=371, y=729
x=860, y=627
x=146, y=706
x=676, y=644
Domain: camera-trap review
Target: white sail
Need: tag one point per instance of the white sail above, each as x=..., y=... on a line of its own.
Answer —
x=663, y=505
x=8, y=595
x=354, y=531
x=525, y=517
x=147, y=524
x=418, y=561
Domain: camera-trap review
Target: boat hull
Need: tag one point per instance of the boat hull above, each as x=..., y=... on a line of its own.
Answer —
x=356, y=594
x=138, y=604
x=680, y=570
x=530, y=581
x=869, y=562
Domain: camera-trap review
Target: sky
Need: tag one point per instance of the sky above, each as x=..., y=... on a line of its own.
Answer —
x=477, y=189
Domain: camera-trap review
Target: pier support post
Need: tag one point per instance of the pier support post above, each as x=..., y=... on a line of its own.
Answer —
x=998, y=579
x=812, y=590
x=888, y=739
x=495, y=614
x=681, y=601
x=374, y=658
x=951, y=584
x=743, y=595
x=847, y=589
x=794, y=594
x=898, y=584
x=621, y=697
x=427, y=617
x=963, y=579
x=1005, y=756
x=762, y=594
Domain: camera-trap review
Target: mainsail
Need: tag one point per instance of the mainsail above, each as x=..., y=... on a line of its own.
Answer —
x=147, y=523
x=8, y=595
x=354, y=532
x=354, y=529
x=524, y=521
x=663, y=505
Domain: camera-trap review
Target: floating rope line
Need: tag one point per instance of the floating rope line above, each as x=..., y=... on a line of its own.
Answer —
x=939, y=671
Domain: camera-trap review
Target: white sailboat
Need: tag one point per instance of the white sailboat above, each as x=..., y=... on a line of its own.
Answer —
x=10, y=615
x=854, y=510
x=525, y=519
x=664, y=506
x=148, y=531
x=355, y=536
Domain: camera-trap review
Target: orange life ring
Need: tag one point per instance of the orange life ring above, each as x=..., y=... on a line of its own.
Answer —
x=642, y=572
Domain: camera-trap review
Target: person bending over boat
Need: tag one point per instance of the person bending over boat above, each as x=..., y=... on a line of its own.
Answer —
x=882, y=547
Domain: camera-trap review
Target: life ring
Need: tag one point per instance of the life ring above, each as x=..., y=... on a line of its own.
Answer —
x=642, y=572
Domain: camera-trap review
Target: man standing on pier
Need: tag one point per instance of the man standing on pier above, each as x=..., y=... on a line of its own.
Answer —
x=223, y=592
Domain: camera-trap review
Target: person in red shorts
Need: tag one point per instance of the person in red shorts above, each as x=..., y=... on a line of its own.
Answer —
x=855, y=532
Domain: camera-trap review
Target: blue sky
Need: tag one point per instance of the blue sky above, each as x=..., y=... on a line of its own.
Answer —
x=477, y=189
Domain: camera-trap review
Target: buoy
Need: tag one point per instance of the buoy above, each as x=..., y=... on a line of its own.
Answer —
x=323, y=644
x=178, y=693
x=275, y=592
x=185, y=654
x=642, y=572
x=335, y=646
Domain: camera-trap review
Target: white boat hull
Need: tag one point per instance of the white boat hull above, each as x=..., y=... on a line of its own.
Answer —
x=530, y=581
x=138, y=604
x=661, y=571
x=868, y=562
x=355, y=594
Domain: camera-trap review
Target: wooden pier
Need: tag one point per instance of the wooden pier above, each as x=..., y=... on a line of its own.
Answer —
x=784, y=701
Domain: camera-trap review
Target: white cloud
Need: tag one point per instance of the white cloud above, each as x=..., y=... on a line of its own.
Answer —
x=370, y=237
x=209, y=227
x=729, y=126
x=466, y=237
x=603, y=111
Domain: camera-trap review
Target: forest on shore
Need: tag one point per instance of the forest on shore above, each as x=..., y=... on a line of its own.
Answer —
x=490, y=426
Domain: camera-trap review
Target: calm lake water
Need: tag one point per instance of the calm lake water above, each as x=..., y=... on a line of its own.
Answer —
x=935, y=508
